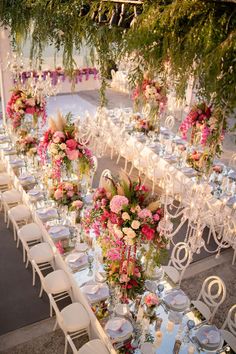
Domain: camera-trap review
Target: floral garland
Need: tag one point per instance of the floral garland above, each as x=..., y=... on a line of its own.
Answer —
x=59, y=73
x=126, y=224
x=62, y=146
x=23, y=102
x=67, y=193
x=27, y=144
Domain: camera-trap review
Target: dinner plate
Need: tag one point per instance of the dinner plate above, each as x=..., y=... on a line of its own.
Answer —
x=176, y=300
x=95, y=292
x=118, y=328
x=209, y=337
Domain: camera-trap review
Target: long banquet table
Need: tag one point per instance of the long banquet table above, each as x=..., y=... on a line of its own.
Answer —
x=169, y=333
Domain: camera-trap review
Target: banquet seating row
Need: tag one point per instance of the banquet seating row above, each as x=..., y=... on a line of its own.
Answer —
x=73, y=319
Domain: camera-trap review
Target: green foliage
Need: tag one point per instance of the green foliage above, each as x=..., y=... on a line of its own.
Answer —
x=197, y=38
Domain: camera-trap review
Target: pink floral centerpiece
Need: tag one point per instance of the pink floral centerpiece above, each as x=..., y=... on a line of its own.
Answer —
x=27, y=144
x=207, y=130
x=21, y=103
x=60, y=143
x=126, y=223
x=67, y=193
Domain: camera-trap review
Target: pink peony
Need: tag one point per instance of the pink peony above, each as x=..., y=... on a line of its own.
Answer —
x=144, y=213
x=148, y=232
x=72, y=154
x=58, y=194
x=70, y=194
x=59, y=134
x=71, y=144
x=117, y=203
x=77, y=204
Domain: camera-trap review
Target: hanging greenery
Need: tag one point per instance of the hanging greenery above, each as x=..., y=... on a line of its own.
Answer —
x=183, y=38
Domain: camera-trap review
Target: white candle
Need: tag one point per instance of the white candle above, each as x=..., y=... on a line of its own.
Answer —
x=191, y=349
x=170, y=326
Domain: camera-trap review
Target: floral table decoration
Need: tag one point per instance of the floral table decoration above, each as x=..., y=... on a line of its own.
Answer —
x=27, y=144
x=68, y=194
x=60, y=144
x=23, y=103
x=151, y=300
x=153, y=95
x=206, y=135
x=126, y=224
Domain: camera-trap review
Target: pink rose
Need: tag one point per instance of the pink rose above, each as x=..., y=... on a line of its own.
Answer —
x=58, y=194
x=59, y=134
x=156, y=217
x=70, y=194
x=72, y=154
x=71, y=144
x=30, y=110
x=148, y=232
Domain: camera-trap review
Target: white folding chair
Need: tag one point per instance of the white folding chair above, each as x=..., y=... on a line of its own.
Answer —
x=56, y=283
x=10, y=199
x=29, y=235
x=73, y=320
x=181, y=257
x=228, y=330
x=42, y=255
x=211, y=296
x=94, y=346
x=19, y=215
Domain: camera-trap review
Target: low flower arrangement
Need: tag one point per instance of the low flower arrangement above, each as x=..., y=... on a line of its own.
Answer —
x=60, y=143
x=126, y=223
x=142, y=125
x=27, y=144
x=23, y=102
x=199, y=160
x=67, y=193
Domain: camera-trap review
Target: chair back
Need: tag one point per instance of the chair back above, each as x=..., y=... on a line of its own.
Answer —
x=40, y=274
x=104, y=179
x=181, y=256
x=230, y=322
x=169, y=122
x=213, y=292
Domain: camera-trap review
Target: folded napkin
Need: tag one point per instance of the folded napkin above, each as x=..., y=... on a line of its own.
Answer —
x=179, y=299
x=91, y=289
x=34, y=192
x=75, y=257
x=46, y=212
x=25, y=177
x=213, y=337
x=81, y=247
x=116, y=324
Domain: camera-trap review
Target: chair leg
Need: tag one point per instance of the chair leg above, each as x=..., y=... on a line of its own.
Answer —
x=33, y=276
x=126, y=163
x=118, y=159
x=27, y=263
x=234, y=257
x=8, y=222
x=51, y=310
x=23, y=254
x=66, y=344
x=41, y=291
x=55, y=326
x=17, y=242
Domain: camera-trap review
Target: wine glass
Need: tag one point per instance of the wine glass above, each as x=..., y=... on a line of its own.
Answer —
x=160, y=288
